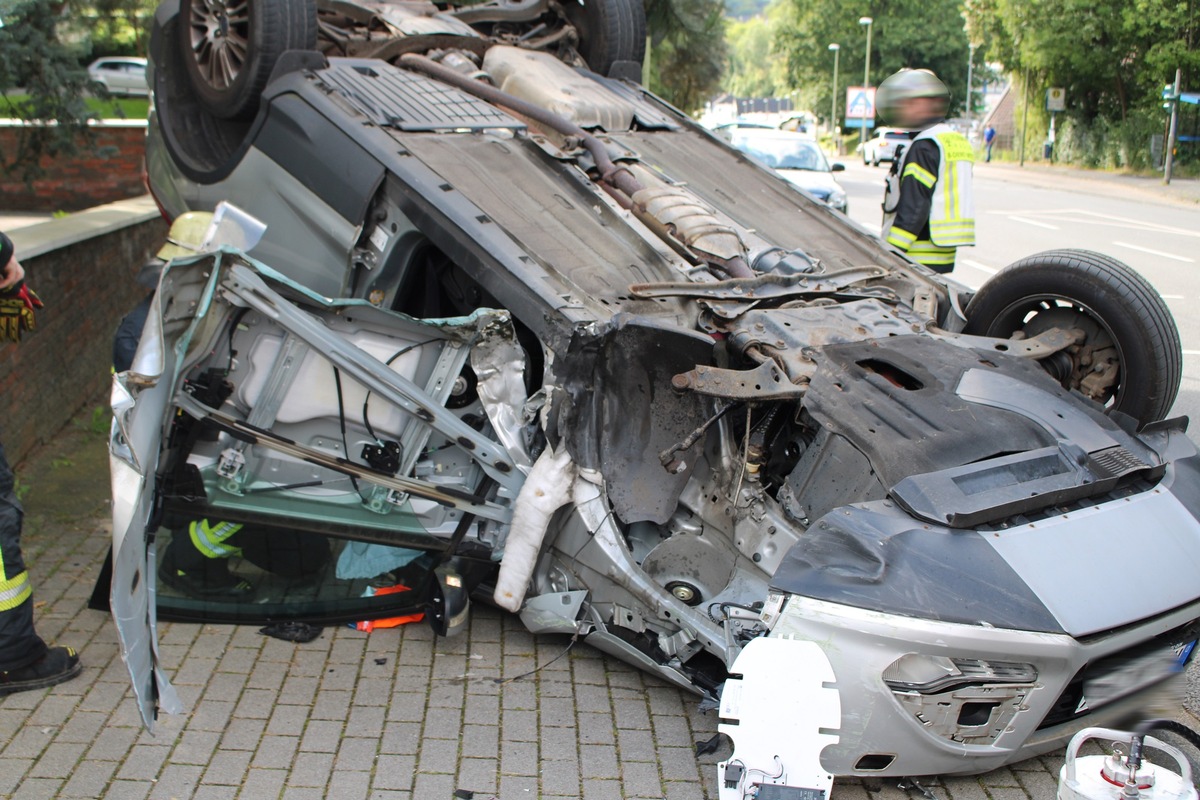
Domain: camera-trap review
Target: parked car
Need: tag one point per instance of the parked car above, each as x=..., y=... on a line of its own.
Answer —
x=800, y=123
x=120, y=75
x=544, y=340
x=885, y=145
x=798, y=158
x=726, y=129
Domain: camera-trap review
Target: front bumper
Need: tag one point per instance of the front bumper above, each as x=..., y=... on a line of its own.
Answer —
x=973, y=729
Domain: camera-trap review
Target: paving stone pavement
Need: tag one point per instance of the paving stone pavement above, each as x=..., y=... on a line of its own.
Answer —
x=392, y=715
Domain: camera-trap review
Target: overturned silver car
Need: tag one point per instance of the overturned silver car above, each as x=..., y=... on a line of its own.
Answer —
x=523, y=332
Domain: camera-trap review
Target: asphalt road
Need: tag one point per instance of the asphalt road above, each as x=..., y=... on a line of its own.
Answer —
x=1161, y=240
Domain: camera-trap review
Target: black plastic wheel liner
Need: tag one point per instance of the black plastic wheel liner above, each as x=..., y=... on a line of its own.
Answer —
x=621, y=411
x=894, y=400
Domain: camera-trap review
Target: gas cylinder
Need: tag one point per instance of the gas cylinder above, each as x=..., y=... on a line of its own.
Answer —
x=1102, y=777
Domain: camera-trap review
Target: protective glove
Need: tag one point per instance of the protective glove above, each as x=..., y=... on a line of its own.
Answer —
x=17, y=304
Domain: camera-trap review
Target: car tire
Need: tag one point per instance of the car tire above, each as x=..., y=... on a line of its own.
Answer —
x=228, y=61
x=610, y=31
x=1113, y=304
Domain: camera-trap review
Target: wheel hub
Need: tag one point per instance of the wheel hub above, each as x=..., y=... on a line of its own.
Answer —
x=219, y=41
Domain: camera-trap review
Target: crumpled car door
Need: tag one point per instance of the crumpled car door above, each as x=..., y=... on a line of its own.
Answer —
x=203, y=300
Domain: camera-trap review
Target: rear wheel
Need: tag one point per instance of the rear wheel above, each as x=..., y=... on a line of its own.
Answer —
x=1129, y=357
x=610, y=31
x=230, y=47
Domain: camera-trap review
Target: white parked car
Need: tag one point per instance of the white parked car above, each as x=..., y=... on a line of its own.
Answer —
x=883, y=145
x=125, y=75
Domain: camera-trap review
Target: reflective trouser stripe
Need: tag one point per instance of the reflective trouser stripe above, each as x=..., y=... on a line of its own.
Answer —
x=15, y=591
x=210, y=540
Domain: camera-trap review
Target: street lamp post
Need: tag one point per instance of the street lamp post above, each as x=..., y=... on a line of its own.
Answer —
x=970, y=68
x=862, y=131
x=836, y=48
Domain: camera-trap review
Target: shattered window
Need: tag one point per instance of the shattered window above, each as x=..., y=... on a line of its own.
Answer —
x=220, y=570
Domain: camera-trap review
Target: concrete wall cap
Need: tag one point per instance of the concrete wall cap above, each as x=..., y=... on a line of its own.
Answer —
x=55, y=234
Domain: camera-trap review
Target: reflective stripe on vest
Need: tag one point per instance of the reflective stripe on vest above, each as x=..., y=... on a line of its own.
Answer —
x=210, y=539
x=14, y=591
x=930, y=254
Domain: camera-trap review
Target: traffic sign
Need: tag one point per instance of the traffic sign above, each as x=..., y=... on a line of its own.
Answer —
x=860, y=106
x=1056, y=99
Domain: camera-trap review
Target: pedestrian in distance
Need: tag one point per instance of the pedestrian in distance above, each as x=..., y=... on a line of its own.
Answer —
x=928, y=202
x=26, y=662
x=989, y=138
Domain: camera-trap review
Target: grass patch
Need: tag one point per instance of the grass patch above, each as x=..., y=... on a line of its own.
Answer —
x=120, y=107
x=112, y=108
x=98, y=421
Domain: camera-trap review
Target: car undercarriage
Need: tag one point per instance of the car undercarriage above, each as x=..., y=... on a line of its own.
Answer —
x=543, y=340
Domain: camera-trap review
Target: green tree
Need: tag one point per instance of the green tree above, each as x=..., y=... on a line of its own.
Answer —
x=687, y=48
x=744, y=9
x=1111, y=56
x=36, y=61
x=120, y=27
x=753, y=68
x=927, y=34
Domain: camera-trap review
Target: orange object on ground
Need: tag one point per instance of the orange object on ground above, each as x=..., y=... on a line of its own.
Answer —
x=388, y=622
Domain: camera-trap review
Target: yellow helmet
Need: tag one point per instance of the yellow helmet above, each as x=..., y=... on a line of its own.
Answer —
x=186, y=235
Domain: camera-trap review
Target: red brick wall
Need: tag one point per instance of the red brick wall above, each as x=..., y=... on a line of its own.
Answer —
x=109, y=169
x=66, y=363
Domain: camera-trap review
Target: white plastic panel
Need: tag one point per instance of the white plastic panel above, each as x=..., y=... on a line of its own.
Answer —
x=780, y=712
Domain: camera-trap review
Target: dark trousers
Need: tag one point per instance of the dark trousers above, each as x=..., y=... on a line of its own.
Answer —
x=20, y=646
x=287, y=553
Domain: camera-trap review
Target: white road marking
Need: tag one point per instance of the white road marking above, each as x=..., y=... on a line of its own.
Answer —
x=1086, y=217
x=981, y=267
x=1190, y=352
x=1158, y=253
x=1173, y=296
x=1027, y=221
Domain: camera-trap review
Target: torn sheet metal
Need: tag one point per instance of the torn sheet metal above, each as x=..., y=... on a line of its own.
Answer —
x=779, y=714
x=499, y=365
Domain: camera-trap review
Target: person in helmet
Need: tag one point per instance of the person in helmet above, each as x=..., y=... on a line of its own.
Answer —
x=928, y=202
x=26, y=662
x=184, y=238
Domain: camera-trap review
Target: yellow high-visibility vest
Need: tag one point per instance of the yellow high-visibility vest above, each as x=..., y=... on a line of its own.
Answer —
x=952, y=207
x=952, y=215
